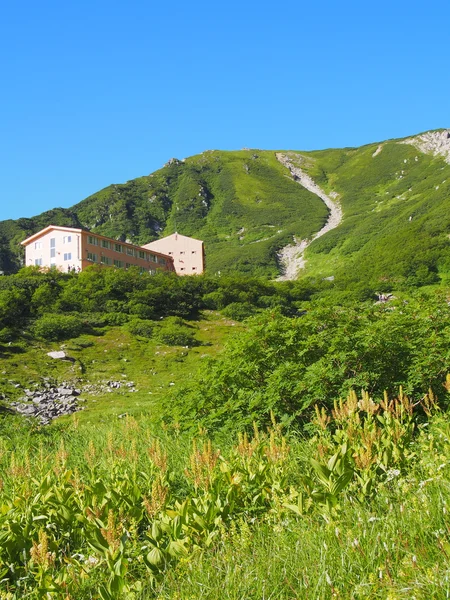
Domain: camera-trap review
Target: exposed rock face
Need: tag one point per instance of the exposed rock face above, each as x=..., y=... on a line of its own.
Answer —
x=173, y=161
x=377, y=151
x=291, y=257
x=436, y=143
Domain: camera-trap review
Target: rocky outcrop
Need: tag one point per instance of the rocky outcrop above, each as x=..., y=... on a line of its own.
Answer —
x=48, y=403
x=436, y=143
x=51, y=401
x=291, y=257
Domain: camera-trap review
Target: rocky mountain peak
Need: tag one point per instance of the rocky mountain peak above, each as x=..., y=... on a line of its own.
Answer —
x=436, y=143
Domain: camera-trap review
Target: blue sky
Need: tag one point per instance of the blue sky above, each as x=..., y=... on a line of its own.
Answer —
x=101, y=92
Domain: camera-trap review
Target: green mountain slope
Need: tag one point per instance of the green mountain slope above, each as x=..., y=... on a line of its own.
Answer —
x=246, y=207
x=242, y=204
x=396, y=223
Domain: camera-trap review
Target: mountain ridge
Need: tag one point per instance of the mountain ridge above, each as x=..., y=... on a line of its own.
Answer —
x=246, y=207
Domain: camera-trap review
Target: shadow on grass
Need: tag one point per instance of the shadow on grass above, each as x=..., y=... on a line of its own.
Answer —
x=9, y=350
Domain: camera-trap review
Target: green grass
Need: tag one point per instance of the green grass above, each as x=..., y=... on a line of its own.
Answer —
x=114, y=354
x=393, y=543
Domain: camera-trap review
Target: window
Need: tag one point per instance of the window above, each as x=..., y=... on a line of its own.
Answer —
x=182, y=269
x=127, y=265
x=68, y=256
x=118, y=263
x=194, y=268
x=161, y=260
x=105, y=260
x=170, y=253
x=52, y=242
x=130, y=251
x=92, y=240
x=67, y=239
x=152, y=258
x=52, y=252
x=141, y=254
x=38, y=262
x=118, y=247
x=92, y=256
x=38, y=245
x=182, y=252
x=106, y=244
x=152, y=271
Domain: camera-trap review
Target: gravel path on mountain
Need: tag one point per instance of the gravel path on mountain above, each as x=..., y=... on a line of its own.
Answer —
x=291, y=257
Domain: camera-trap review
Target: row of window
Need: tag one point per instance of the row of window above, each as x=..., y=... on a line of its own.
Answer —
x=117, y=247
x=67, y=239
x=38, y=261
x=105, y=260
x=183, y=252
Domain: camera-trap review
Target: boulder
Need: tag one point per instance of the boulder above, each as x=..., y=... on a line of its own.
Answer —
x=57, y=354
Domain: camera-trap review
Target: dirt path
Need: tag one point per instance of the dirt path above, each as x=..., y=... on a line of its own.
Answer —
x=292, y=256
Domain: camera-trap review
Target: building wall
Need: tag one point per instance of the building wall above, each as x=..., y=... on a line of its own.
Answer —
x=97, y=249
x=68, y=249
x=187, y=253
x=59, y=248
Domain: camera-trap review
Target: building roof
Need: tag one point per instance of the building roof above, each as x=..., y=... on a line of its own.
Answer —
x=175, y=236
x=47, y=230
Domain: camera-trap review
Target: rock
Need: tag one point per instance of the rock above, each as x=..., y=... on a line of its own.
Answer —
x=172, y=161
x=58, y=354
x=49, y=403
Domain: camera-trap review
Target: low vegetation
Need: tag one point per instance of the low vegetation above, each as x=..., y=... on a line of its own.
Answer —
x=130, y=511
x=301, y=452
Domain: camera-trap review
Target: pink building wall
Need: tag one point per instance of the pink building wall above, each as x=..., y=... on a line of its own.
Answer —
x=187, y=253
x=70, y=248
x=58, y=246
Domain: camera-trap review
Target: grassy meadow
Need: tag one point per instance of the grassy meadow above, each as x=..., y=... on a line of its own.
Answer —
x=281, y=443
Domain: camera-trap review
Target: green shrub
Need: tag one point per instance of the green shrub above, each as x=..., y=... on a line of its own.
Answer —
x=81, y=342
x=173, y=332
x=118, y=318
x=141, y=327
x=141, y=310
x=239, y=310
x=58, y=327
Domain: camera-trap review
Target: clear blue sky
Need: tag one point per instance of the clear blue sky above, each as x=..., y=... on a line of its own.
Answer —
x=100, y=92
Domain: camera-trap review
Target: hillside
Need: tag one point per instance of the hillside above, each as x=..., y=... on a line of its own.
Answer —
x=247, y=207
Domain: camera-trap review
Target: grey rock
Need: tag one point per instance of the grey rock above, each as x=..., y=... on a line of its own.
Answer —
x=58, y=354
x=65, y=391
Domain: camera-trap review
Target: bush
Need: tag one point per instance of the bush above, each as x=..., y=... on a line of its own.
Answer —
x=286, y=365
x=57, y=327
x=141, y=327
x=174, y=332
x=239, y=310
x=118, y=318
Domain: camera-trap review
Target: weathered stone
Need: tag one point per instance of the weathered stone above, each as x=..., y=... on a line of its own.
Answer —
x=65, y=391
x=57, y=354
